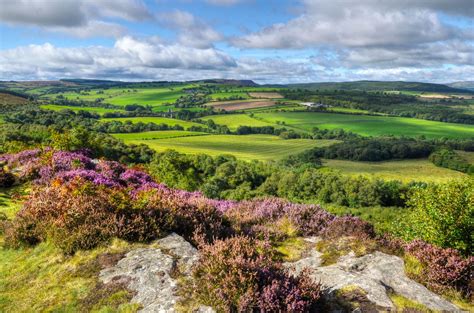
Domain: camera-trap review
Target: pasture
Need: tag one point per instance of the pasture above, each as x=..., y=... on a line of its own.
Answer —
x=403, y=170
x=152, y=119
x=249, y=147
x=77, y=109
x=123, y=96
x=157, y=135
x=233, y=121
x=369, y=125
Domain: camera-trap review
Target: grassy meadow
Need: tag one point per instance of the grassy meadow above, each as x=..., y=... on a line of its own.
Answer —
x=403, y=170
x=249, y=147
x=159, y=134
x=233, y=121
x=77, y=109
x=153, y=119
x=369, y=125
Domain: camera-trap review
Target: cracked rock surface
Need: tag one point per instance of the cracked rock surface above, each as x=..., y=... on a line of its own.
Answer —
x=152, y=273
x=376, y=273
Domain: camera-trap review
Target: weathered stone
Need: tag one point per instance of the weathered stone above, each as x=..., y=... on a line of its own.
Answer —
x=152, y=273
x=376, y=273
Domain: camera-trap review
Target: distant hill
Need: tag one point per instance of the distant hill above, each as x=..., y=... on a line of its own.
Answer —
x=468, y=85
x=367, y=85
x=231, y=82
x=9, y=100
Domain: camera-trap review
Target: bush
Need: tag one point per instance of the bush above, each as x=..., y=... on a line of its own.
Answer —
x=442, y=215
x=73, y=217
x=238, y=274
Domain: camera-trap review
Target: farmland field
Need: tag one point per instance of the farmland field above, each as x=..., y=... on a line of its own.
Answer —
x=370, y=125
x=404, y=170
x=266, y=95
x=124, y=96
x=233, y=121
x=249, y=147
x=240, y=104
x=157, y=135
x=156, y=120
x=77, y=109
x=226, y=95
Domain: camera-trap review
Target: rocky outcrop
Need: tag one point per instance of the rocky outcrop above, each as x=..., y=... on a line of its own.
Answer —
x=376, y=273
x=152, y=273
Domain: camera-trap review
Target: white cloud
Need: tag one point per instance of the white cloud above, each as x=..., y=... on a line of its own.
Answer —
x=350, y=26
x=81, y=18
x=130, y=57
x=192, y=31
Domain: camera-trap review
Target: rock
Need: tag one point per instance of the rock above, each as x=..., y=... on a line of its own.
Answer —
x=376, y=273
x=152, y=273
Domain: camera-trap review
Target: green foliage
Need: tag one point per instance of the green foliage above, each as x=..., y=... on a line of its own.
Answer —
x=442, y=214
x=452, y=160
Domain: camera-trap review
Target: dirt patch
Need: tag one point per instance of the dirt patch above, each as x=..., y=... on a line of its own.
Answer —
x=266, y=95
x=241, y=105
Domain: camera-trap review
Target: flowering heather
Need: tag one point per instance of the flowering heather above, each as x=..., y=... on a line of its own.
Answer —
x=239, y=275
x=79, y=203
x=443, y=268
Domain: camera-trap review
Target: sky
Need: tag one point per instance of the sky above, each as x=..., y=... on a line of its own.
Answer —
x=272, y=41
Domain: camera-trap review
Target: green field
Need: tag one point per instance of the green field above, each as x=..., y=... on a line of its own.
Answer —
x=77, y=109
x=249, y=147
x=160, y=134
x=156, y=120
x=233, y=121
x=124, y=96
x=403, y=170
x=370, y=125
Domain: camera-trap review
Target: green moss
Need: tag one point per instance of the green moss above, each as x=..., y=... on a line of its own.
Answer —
x=292, y=249
x=413, y=267
x=332, y=250
x=402, y=304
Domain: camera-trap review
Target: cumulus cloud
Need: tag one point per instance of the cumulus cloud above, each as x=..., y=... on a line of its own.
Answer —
x=192, y=31
x=351, y=24
x=129, y=56
x=82, y=18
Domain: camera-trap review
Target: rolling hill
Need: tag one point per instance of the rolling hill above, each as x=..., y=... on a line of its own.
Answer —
x=366, y=85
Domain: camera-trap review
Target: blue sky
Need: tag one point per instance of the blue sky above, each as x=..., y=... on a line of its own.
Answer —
x=267, y=41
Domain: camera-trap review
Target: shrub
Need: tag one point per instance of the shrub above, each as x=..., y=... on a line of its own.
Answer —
x=442, y=215
x=239, y=274
x=73, y=216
